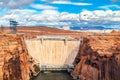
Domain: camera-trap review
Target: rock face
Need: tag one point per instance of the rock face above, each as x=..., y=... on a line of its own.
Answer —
x=99, y=58
x=15, y=63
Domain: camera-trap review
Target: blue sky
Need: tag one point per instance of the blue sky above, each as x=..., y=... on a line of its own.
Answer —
x=76, y=6
x=61, y=12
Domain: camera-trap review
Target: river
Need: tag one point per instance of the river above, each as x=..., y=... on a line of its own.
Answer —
x=53, y=76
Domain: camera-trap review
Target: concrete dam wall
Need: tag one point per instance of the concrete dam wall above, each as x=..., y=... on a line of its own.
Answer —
x=51, y=53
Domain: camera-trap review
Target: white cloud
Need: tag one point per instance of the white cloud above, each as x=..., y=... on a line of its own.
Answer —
x=50, y=15
x=55, y=18
x=42, y=6
x=46, y=16
x=64, y=16
x=100, y=17
x=21, y=11
x=53, y=0
x=1, y=3
x=50, y=12
x=71, y=3
x=20, y=15
x=14, y=3
x=108, y=7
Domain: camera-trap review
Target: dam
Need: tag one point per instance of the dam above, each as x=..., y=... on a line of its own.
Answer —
x=52, y=52
x=98, y=55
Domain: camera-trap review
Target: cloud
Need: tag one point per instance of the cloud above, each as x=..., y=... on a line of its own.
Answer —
x=14, y=3
x=53, y=0
x=71, y=3
x=1, y=3
x=49, y=15
x=100, y=17
x=29, y=17
x=42, y=6
x=108, y=7
x=50, y=12
x=65, y=16
x=20, y=11
x=20, y=15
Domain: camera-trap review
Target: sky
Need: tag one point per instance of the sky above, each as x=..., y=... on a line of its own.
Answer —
x=57, y=13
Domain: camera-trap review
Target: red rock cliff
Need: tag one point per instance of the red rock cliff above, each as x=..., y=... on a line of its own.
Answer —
x=99, y=58
x=15, y=62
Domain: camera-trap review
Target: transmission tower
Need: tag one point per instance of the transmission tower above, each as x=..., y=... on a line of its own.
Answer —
x=2, y=28
x=13, y=25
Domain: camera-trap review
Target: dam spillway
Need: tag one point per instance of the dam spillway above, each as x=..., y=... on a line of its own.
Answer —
x=53, y=53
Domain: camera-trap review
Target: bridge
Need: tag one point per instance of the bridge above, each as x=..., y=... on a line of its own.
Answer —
x=53, y=53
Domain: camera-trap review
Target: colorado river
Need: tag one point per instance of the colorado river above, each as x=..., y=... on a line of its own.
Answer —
x=53, y=76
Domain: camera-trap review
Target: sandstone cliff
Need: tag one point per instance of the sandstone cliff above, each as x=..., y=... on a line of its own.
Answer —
x=99, y=58
x=15, y=63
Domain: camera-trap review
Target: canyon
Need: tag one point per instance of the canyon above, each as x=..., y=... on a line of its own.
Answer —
x=98, y=57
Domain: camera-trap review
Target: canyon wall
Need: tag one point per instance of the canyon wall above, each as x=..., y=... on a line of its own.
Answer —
x=98, y=58
x=15, y=63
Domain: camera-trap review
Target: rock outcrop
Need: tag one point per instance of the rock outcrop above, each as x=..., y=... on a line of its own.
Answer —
x=15, y=62
x=99, y=58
